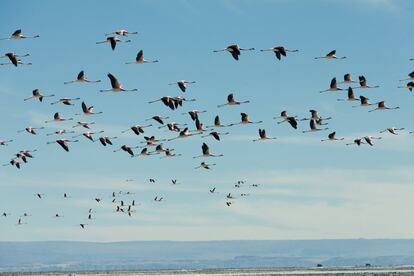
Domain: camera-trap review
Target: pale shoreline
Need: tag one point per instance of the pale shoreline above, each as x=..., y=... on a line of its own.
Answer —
x=398, y=270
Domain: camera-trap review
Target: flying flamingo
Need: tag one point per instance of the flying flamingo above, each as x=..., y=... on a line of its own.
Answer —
x=369, y=139
x=194, y=114
x=63, y=143
x=217, y=123
x=144, y=152
x=169, y=153
x=151, y=140
x=283, y=116
x=205, y=165
x=167, y=101
x=206, y=152
x=184, y=134
x=88, y=135
x=59, y=132
x=347, y=79
x=411, y=77
x=13, y=162
x=83, y=124
x=18, y=35
x=65, y=101
x=37, y=95
x=333, y=87
x=81, y=78
x=112, y=40
x=332, y=137
x=245, y=120
x=363, y=83
x=182, y=84
x=279, y=51
x=363, y=102
x=105, y=140
x=216, y=135
x=357, y=142
x=116, y=86
x=313, y=127
x=121, y=32
x=330, y=55
x=409, y=85
x=351, y=95
x=14, y=59
x=158, y=118
x=57, y=118
x=392, y=130
x=234, y=50
x=140, y=59
x=31, y=130
x=88, y=110
x=381, y=106
x=127, y=149
x=137, y=129
x=159, y=148
x=173, y=126
x=263, y=136
x=232, y=101
x=5, y=142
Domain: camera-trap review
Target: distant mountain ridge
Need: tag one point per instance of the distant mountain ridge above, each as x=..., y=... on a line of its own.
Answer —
x=138, y=255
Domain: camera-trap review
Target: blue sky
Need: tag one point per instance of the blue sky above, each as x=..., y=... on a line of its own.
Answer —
x=308, y=189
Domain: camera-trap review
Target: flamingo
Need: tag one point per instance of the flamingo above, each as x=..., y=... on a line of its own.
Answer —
x=184, y=134
x=194, y=114
x=217, y=123
x=263, y=136
x=232, y=101
x=88, y=135
x=332, y=137
x=182, y=84
x=116, y=86
x=364, y=101
x=409, y=85
x=178, y=101
x=212, y=191
x=30, y=129
x=59, y=132
x=199, y=126
x=313, y=127
x=39, y=195
x=216, y=135
x=234, y=50
x=292, y=121
x=83, y=124
x=167, y=101
x=392, y=130
x=137, y=129
x=14, y=59
x=158, y=118
x=36, y=94
x=245, y=120
x=363, y=83
x=369, y=139
x=144, y=152
x=206, y=152
x=121, y=32
x=169, y=153
x=63, y=143
x=105, y=140
x=205, y=165
x=112, y=40
x=172, y=126
x=57, y=118
x=65, y=101
x=13, y=162
x=333, y=87
x=351, y=95
x=330, y=55
x=127, y=149
x=18, y=35
x=20, y=222
x=315, y=116
x=347, y=79
x=381, y=106
x=88, y=110
x=81, y=78
x=140, y=59
x=411, y=77
x=151, y=140
x=5, y=142
x=279, y=51
x=283, y=116
x=159, y=148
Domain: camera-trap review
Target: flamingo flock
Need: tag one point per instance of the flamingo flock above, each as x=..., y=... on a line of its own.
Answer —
x=155, y=147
